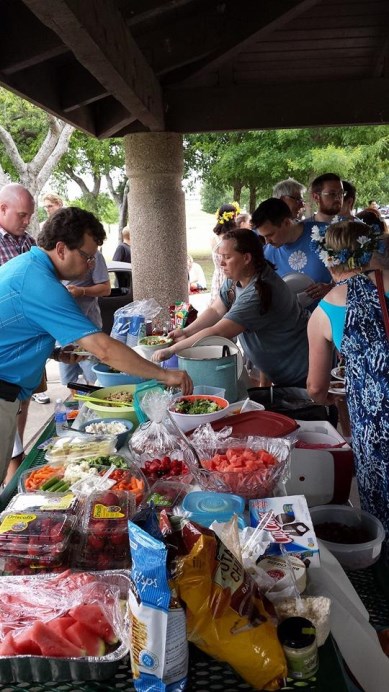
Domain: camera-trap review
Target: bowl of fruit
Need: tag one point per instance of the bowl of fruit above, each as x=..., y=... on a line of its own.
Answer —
x=250, y=467
x=166, y=467
x=188, y=412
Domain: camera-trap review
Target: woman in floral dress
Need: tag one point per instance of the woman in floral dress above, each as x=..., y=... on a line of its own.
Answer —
x=351, y=317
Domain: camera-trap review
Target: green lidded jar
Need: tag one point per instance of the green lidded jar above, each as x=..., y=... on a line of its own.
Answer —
x=298, y=638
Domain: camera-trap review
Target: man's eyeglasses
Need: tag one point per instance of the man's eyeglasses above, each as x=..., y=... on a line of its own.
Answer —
x=334, y=195
x=296, y=199
x=88, y=258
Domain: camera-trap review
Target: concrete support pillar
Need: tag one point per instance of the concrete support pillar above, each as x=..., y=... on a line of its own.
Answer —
x=156, y=212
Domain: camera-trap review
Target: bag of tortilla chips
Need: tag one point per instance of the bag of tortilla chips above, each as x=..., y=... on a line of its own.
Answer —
x=226, y=614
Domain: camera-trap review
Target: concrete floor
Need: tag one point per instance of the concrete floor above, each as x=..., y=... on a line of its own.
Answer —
x=40, y=414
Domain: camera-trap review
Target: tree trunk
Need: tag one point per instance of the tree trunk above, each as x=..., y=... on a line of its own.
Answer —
x=35, y=174
x=123, y=211
x=253, y=198
x=237, y=191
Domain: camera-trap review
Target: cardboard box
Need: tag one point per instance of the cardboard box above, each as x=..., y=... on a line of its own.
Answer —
x=287, y=522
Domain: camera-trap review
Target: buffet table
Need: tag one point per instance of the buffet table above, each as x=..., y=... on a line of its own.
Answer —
x=206, y=674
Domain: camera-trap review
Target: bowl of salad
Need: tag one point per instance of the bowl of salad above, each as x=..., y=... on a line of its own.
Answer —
x=188, y=412
x=148, y=344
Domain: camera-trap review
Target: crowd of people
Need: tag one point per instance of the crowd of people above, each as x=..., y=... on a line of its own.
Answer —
x=295, y=338
x=291, y=337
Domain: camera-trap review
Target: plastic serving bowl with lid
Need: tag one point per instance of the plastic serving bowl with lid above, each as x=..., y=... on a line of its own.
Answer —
x=351, y=555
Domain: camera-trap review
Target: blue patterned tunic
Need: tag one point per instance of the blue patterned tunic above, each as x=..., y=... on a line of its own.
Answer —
x=366, y=350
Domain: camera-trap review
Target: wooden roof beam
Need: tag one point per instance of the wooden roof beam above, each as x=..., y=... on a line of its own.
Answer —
x=278, y=106
x=24, y=40
x=110, y=117
x=38, y=85
x=95, y=32
x=243, y=23
x=78, y=87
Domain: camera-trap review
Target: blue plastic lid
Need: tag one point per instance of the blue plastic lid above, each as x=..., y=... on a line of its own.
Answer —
x=213, y=504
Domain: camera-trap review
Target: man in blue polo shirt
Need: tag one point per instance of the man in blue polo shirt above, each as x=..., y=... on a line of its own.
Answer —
x=37, y=310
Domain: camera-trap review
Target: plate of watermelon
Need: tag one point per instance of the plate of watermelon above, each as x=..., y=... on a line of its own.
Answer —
x=67, y=626
x=250, y=468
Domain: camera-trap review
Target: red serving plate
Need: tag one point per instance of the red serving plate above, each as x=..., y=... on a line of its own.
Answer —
x=261, y=423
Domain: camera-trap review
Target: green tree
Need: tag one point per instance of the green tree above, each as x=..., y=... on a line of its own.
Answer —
x=257, y=160
x=31, y=144
x=88, y=162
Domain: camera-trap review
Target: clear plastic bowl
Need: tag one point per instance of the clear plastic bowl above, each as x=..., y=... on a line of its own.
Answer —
x=207, y=390
x=351, y=555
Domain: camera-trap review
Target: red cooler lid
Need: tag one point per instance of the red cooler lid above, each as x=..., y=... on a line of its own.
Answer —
x=261, y=423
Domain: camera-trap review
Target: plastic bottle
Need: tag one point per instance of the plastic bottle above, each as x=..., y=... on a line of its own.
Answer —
x=60, y=417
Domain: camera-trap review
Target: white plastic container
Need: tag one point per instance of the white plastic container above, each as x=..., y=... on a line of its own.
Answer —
x=351, y=555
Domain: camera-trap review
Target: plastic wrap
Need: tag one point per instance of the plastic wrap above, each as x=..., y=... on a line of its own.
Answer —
x=27, y=600
x=237, y=464
x=78, y=445
x=156, y=447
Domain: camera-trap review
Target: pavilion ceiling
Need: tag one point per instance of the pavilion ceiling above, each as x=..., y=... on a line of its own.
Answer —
x=111, y=67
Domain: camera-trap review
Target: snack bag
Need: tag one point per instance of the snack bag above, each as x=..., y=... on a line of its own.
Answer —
x=226, y=615
x=182, y=314
x=159, y=648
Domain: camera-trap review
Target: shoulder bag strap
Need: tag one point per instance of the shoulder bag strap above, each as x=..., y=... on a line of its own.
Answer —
x=381, y=295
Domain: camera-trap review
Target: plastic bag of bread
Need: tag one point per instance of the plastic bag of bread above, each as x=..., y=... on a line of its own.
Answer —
x=226, y=614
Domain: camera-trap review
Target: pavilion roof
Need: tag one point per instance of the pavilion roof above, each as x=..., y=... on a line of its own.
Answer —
x=112, y=67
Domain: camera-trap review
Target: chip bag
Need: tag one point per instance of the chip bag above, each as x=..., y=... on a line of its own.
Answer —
x=159, y=648
x=227, y=617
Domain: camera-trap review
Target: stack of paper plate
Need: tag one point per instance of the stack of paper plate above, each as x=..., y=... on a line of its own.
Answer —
x=298, y=283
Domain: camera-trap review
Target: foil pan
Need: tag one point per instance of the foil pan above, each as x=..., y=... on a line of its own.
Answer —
x=44, y=669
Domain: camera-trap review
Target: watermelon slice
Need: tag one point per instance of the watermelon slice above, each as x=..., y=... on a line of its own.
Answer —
x=93, y=617
x=7, y=646
x=60, y=625
x=52, y=644
x=25, y=645
x=85, y=638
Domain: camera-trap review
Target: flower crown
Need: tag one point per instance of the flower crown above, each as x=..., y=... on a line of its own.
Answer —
x=227, y=215
x=359, y=257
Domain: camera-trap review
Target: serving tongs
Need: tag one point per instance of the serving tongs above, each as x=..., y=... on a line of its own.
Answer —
x=102, y=402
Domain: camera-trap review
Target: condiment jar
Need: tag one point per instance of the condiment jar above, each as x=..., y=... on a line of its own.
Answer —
x=298, y=638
